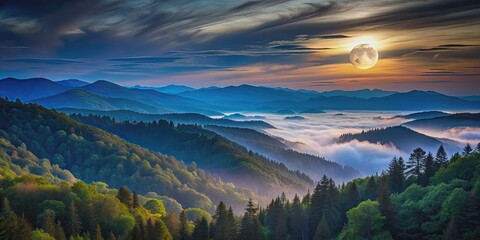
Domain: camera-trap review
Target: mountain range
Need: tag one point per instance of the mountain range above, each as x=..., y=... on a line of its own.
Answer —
x=214, y=100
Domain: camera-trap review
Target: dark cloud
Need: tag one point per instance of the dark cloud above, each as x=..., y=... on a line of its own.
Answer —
x=42, y=61
x=146, y=59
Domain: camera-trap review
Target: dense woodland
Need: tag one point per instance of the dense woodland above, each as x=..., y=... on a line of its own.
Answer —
x=210, y=151
x=427, y=196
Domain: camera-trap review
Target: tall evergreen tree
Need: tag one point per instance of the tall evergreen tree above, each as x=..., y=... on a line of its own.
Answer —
x=201, y=231
x=220, y=226
x=430, y=169
x=183, y=232
x=231, y=224
x=111, y=236
x=322, y=231
x=415, y=162
x=135, y=203
x=296, y=219
x=250, y=227
x=441, y=158
x=325, y=200
x=396, y=175
x=59, y=233
x=386, y=206
x=467, y=150
x=477, y=149
x=451, y=233
x=23, y=229
x=74, y=224
x=49, y=223
x=125, y=196
x=98, y=233
x=371, y=189
x=353, y=196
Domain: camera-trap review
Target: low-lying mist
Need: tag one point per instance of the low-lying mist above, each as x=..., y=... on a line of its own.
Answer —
x=317, y=132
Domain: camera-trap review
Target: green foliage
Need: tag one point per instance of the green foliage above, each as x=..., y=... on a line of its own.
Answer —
x=155, y=206
x=365, y=222
x=39, y=234
x=208, y=150
x=30, y=133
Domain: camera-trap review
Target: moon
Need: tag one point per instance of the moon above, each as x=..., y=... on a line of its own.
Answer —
x=364, y=56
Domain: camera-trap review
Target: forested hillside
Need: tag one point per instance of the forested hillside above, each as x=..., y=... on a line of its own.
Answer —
x=91, y=154
x=274, y=149
x=210, y=151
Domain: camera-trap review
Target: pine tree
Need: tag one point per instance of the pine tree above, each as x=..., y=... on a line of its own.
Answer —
x=220, y=225
x=441, y=159
x=353, y=196
x=135, y=203
x=48, y=223
x=451, y=233
x=201, y=231
x=325, y=202
x=125, y=196
x=371, y=189
x=232, y=225
x=477, y=149
x=386, y=206
x=98, y=233
x=59, y=233
x=250, y=227
x=322, y=231
x=296, y=219
x=74, y=223
x=23, y=229
x=467, y=150
x=183, y=231
x=415, y=162
x=396, y=175
x=429, y=169
x=111, y=236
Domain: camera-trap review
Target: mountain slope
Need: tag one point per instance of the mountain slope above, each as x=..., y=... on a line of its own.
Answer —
x=183, y=118
x=362, y=93
x=276, y=150
x=219, y=156
x=409, y=101
x=92, y=155
x=170, y=102
x=401, y=137
x=446, y=122
x=82, y=99
x=171, y=89
x=28, y=89
x=72, y=83
x=424, y=115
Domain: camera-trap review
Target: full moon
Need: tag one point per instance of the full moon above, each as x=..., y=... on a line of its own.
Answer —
x=364, y=56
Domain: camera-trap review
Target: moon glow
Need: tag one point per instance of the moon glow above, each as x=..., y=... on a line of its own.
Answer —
x=364, y=56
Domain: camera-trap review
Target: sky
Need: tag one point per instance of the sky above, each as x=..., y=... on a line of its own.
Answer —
x=426, y=45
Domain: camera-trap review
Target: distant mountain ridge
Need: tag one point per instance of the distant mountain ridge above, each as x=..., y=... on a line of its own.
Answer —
x=73, y=83
x=77, y=98
x=423, y=115
x=183, y=118
x=214, y=100
x=362, y=93
x=29, y=89
x=172, y=88
x=444, y=123
x=401, y=137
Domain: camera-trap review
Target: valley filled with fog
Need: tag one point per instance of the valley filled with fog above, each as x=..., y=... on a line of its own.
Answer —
x=316, y=134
